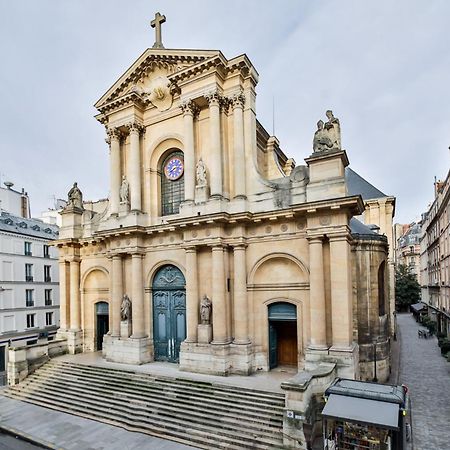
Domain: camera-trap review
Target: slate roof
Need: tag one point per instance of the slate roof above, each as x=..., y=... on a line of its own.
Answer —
x=28, y=227
x=356, y=184
x=360, y=230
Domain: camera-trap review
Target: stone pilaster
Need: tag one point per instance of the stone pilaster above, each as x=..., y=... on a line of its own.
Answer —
x=134, y=172
x=219, y=310
x=114, y=137
x=75, y=303
x=341, y=292
x=137, y=297
x=190, y=110
x=215, y=144
x=64, y=305
x=116, y=294
x=192, y=294
x=238, y=102
x=240, y=296
x=317, y=294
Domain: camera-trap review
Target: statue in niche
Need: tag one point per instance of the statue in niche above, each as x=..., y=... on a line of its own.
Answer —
x=75, y=197
x=205, y=310
x=125, y=308
x=201, y=173
x=327, y=135
x=124, y=190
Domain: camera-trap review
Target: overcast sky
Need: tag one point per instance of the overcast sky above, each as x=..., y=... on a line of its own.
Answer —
x=383, y=68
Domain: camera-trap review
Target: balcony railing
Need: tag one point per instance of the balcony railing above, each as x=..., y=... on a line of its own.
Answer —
x=47, y=279
x=28, y=277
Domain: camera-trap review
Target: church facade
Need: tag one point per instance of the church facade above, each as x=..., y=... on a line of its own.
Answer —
x=214, y=250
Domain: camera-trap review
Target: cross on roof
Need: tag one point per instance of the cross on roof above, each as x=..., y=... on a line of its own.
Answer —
x=156, y=23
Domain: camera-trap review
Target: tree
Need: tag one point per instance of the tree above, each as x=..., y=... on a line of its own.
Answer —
x=407, y=289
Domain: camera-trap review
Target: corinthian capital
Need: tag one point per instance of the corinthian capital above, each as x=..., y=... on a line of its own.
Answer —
x=113, y=134
x=238, y=100
x=189, y=107
x=214, y=98
x=135, y=127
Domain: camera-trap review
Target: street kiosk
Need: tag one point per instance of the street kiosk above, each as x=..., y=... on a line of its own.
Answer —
x=361, y=415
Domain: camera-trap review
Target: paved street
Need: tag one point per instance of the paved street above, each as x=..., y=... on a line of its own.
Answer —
x=11, y=443
x=427, y=375
x=65, y=431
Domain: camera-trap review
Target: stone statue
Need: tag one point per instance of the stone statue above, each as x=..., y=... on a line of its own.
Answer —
x=125, y=308
x=75, y=197
x=327, y=135
x=205, y=310
x=201, y=173
x=321, y=140
x=124, y=190
x=333, y=127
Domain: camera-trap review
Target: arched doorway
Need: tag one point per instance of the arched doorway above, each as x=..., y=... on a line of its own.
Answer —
x=102, y=320
x=282, y=335
x=169, y=313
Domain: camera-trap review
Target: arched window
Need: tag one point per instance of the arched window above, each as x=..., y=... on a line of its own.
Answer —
x=381, y=290
x=172, y=183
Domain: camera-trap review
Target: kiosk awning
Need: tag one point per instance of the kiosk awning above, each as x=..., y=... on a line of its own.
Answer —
x=362, y=410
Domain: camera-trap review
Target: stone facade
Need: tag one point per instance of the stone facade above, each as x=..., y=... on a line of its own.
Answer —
x=435, y=256
x=212, y=199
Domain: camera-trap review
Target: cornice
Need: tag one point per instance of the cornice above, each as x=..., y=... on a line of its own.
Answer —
x=148, y=59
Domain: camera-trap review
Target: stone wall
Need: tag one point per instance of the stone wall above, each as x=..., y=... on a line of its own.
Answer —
x=24, y=360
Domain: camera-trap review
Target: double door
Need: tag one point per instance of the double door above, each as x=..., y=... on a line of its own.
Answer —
x=169, y=323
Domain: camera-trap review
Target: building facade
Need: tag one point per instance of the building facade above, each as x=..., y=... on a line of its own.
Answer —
x=435, y=256
x=407, y=251
x=29, y=291
x=214, y=251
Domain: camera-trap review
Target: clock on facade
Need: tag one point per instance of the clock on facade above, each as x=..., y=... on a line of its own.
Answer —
x=174, y=168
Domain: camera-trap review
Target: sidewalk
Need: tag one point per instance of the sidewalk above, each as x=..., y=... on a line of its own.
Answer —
x=427, y=375
x=57, y=430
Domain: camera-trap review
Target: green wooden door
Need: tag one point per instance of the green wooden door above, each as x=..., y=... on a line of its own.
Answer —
x=169, y=313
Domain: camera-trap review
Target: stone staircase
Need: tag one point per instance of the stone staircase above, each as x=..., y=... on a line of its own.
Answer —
x=201, y=414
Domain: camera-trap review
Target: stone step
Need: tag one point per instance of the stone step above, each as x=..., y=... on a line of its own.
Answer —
x=129, y=416
x=203, y=442
x=269, y=424
x=227, y=421
x=174, y=389
x=261, y=395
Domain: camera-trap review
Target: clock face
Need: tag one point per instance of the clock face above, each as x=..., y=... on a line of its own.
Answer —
x=174, y=168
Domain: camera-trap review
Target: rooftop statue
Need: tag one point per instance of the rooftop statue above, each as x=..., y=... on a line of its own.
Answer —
x=328, y=134
x=75, y=197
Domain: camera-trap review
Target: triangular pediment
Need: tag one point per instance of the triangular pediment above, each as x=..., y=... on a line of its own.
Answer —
x=154, y=63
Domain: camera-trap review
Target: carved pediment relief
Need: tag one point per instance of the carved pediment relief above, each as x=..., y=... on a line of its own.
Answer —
x=149, y=76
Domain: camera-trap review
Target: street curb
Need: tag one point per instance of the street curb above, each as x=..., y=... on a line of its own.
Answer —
x=28, y=438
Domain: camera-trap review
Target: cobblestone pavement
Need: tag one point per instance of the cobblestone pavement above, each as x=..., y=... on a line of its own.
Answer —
x=427, y=375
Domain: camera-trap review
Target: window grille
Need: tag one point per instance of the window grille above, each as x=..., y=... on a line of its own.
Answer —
x=172, y=192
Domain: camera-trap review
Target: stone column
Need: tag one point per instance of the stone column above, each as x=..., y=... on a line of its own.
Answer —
x=115, y=180
x=134, y=171
x=317, y=294
x=192, y=294
x=137, y=297
x=219, y=311
x=238, y=102
x=116, y=294
x=64, y=305
x=75, y=306
x=215, y=147
x=190, y=110
x=341, y=291
x=240, y=296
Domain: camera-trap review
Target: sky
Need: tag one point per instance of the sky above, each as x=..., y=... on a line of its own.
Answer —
x=383, y=68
